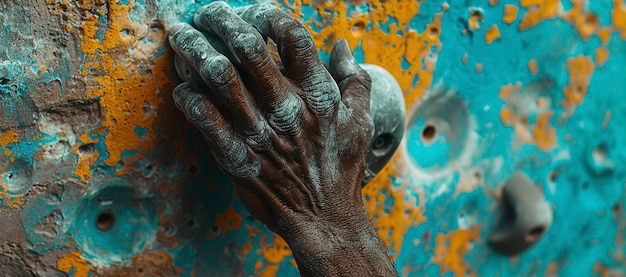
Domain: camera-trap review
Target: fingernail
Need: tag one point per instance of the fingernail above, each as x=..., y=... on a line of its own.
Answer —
x=176, y=28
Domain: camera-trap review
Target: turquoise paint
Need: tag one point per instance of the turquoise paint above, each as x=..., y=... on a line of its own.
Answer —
x=584, y=193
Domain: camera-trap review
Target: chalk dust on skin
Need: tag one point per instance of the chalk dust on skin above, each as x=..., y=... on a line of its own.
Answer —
x=122, y=82
x=419, y=48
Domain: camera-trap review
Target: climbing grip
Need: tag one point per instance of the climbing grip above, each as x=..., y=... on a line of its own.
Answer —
x=527, y=216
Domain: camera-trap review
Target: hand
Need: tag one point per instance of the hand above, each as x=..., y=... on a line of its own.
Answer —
x=293, y=144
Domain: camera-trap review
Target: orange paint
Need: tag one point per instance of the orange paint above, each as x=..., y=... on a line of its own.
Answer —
x=474, y=20
x=74, y=262
x=538, y=11
x=386, y=49
x=510, y=13
x=602, y=56
x=229, y=220
x=580, y=70
x=122, y=89
x=451, y=250
x=544, y=136
x=618, y=17
x=514, y=114
x=85, y=160
x=493, y=2
x=532, y=67
x=392, y=222
x=492, y=34
x=9, y=136
x=479, y=68
x=276, y=251
x=465, y=58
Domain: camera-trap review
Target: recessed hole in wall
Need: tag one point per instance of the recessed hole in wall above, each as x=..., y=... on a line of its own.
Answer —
x=10, y=175
x=358, y=28
x=429, y=133
x=105, y=221
x=4, y=81
x=215, y=229
x=599, y=154
x=477, y=15
x=535, y=233
x=86, y=149
x=433, y=31
x=191, y=222
x=140, y=270
x=553, y=176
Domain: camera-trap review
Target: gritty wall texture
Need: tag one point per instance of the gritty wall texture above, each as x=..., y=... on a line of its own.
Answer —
x=100, y=175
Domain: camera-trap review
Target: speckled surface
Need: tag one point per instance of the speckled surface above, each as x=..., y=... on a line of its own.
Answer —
x=88, y=128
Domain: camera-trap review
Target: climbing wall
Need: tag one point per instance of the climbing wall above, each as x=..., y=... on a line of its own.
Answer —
x=100, y=175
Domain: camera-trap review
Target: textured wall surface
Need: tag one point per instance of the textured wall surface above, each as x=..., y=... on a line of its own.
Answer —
x=101, y=175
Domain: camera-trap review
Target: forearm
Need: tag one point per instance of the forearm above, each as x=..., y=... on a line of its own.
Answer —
x=349, y=249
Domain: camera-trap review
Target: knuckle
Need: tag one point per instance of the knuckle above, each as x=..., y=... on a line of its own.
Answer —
x=196, y=109
x=287, y=114
x=236, y=159
x=249, y=43
x=297, y=37
x=218, y=70
x=258, y=137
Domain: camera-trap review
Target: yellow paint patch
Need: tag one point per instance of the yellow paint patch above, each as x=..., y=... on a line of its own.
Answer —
x=124, y=92
x=229, y=220
x=392, y=222
x=474, y=20
x=619, y=17
x=580, y=70
x=276, y=251
x=386, y=49
x=9, y=136
x=514, y=114
x=510, y=13
x=532, y=67
x=492, y=34
x=74, y=261
x=538, y=11
x=479, y=68
x=451, y=250
x=602, y=56
x=85, y=159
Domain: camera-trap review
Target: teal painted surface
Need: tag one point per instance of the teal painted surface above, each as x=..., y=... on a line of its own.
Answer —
x=172, y=199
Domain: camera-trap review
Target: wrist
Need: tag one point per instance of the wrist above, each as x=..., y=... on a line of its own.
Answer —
x=339, y=247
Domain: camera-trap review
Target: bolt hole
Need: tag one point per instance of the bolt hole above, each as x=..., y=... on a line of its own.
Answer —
x=433, y=31
x=535, y=233
x=553, y=176
x=429, y=133
x=358, y=29
x=191, y=223
x=140, y=270
x=10, y=175
x=599, y=154
x=105, y=221
x=86, y=149
x=215, y=229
